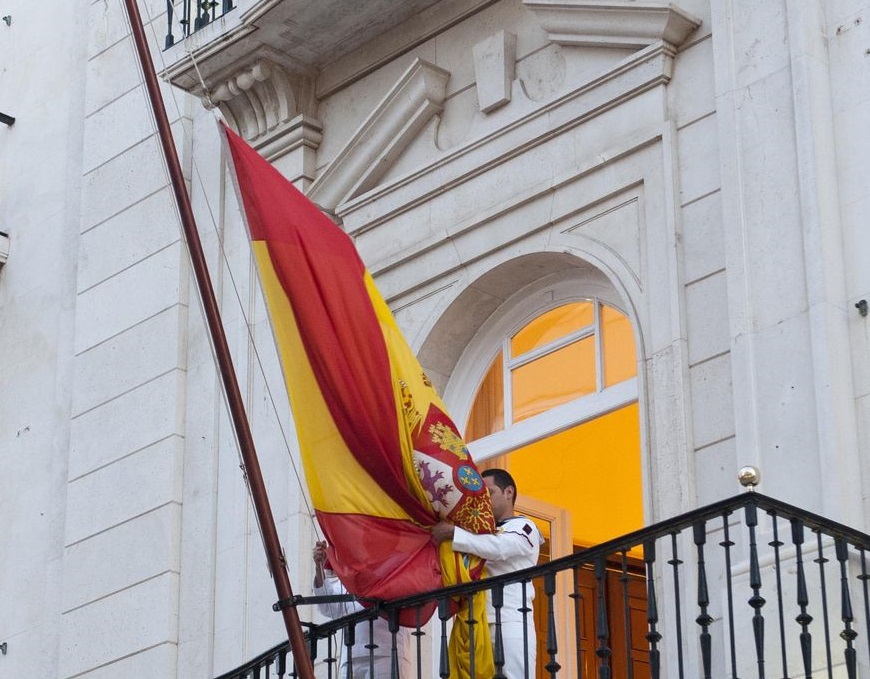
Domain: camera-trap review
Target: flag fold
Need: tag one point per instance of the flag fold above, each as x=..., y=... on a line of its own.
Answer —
x=383, y=461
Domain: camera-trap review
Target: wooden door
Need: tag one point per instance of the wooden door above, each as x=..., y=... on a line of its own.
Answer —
x=624, y=599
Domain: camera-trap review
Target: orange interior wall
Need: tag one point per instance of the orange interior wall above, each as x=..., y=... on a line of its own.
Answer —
x=593, y=469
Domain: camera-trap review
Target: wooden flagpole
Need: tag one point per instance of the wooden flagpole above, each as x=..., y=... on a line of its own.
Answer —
x=231, y=387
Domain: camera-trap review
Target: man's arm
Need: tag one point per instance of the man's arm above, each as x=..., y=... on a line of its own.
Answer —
x=514, y=539
x=326, y=583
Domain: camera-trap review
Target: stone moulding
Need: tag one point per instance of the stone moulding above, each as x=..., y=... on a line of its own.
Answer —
x=4, y=248
x=261, y=100
x=641, y=71
x=495, y=69
x=301, y=132
x=613, y=23
x=395, y=122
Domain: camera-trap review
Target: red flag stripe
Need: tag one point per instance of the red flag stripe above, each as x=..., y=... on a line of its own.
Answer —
x=338, y=326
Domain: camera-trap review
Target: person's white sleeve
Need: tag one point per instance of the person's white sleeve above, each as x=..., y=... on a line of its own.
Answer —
x=515, y=538
x=332, y=586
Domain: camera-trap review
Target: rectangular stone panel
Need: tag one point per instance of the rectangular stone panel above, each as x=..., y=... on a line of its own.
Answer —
x=123, y=490
x=121, y=557
x=692, y=89
x=104, y=139
x=111, y=73
x=129, y=359
x=698, y=155
x=122, y=181
x=716, y=469
x=123, y=624
x=712, y=401
x=149, y=413
x=129, y=237
x=707, y=318
x=132, y=296
x=703, y=241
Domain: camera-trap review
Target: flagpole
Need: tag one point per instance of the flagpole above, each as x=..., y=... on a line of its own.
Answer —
x=222, y=352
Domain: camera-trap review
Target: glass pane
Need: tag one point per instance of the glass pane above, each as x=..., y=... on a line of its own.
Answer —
x=554, y=379
x=551, y=326
x=487, y=412
x=620, y=359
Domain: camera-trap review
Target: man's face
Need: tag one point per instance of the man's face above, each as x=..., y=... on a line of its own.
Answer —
x=502, y=500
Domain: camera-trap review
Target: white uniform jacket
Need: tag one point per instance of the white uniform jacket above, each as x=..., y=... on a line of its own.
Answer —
x=382, y=636
x=516, y=545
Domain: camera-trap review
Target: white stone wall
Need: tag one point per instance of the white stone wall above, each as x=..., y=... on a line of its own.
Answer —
x=40, y=199
x=792, y=369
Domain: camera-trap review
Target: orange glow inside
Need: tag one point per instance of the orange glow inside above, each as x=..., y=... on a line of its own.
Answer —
x=551, y=326
x=592, y=470
x=487, y=413
x=617, y=342
x=553, y=379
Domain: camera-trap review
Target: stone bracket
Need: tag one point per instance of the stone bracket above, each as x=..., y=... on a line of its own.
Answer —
x=264, y=103
x=394, y=123
x=613, y=23
x=494, y=69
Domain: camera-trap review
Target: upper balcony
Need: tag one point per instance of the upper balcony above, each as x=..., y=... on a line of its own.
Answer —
x=209, y=40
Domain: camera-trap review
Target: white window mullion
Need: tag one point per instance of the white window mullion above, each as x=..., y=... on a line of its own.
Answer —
x=507, y=366
x=599, y=349
x=551, y=347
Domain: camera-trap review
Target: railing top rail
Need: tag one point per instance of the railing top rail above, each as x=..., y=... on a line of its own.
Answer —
x=626, y=542
x=620, y=545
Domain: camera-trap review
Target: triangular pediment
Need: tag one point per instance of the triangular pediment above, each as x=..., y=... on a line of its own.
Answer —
x=394, y=123
x=413, y=104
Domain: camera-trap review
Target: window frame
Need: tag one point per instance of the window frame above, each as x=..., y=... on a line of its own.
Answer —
x=494, y=336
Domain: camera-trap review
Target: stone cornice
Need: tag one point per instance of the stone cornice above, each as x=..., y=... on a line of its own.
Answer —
x=613, y=23
x=641, y=71
x=268, y=107
x=394, y=123
x=299, y=132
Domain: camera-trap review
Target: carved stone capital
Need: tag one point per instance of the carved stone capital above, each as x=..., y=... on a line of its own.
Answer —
x=613, y=23
x=262, y=102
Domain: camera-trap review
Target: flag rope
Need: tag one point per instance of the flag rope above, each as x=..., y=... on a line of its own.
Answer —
x=233, y=285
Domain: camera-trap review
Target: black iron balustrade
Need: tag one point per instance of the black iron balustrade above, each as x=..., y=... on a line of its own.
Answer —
x=193, y=15
x=739, y=569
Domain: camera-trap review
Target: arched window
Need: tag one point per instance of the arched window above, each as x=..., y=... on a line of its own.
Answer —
x=571, y=351
x=557, y=407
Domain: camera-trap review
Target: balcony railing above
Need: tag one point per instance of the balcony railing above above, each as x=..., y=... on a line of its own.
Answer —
x=746, y=587
x=193, y=15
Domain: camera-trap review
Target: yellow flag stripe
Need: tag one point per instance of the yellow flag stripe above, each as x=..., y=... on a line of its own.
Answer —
x=323, y=450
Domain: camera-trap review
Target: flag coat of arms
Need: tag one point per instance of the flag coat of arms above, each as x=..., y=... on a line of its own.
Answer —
x=383, y=461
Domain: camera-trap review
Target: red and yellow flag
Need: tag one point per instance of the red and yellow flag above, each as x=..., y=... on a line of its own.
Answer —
x=382, y=459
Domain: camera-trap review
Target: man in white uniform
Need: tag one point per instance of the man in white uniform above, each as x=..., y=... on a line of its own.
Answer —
x=514, y=546
x=327, y=583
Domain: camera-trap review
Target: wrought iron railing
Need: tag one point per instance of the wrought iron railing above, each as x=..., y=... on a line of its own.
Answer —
x=193, y=15
x=746, y=587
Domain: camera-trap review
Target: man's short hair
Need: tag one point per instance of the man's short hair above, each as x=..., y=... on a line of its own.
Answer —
x=502, y=479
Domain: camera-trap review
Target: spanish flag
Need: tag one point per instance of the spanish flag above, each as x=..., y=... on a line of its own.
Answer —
x=383, y=461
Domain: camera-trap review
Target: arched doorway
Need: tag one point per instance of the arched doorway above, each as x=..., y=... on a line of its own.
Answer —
x=553, y=398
